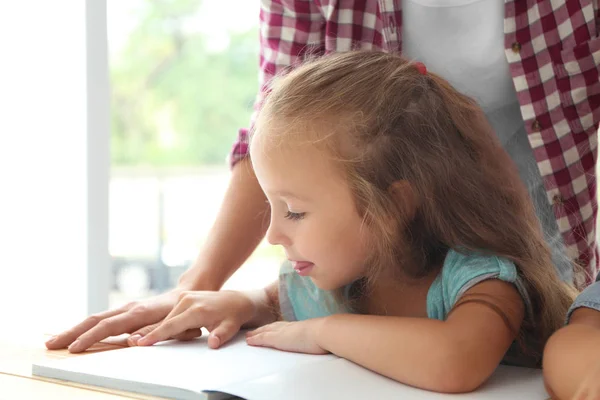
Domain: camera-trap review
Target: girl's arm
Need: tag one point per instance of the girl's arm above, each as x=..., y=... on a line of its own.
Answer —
x=572, y=357
x=456, y=355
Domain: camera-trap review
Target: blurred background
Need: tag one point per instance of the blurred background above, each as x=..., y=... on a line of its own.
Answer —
x=116, y=120
x=183, y=77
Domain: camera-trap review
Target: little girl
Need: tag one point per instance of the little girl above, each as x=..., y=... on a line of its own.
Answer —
x=413, y=246
x=572, y=355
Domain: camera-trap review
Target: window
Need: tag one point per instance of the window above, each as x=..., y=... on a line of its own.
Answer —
x=184, y=74
x=53, y=163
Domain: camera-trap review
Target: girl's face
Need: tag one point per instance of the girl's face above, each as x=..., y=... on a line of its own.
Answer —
x=313, y=215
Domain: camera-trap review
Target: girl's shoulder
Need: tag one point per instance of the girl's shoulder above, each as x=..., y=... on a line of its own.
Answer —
x=461, y=271
x=460, y=265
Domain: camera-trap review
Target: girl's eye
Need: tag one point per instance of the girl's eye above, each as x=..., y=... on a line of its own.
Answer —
x=294, y=216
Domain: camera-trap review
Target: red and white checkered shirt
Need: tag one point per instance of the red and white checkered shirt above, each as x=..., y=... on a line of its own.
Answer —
x=553, y=50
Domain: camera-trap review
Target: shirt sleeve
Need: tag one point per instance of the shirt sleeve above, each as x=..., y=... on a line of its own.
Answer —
x=461, y=272
x=289, y=30
x=589, y=298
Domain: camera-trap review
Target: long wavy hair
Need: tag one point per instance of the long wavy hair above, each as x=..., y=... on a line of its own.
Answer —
x=383, y=121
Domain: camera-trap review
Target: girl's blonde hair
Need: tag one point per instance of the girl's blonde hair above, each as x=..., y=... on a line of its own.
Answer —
x=384, y=121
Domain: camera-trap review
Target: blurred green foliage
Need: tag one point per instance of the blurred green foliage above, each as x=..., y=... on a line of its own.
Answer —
x=177, y=101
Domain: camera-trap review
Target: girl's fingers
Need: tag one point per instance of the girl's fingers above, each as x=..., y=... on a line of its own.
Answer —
x=265, y=339
x=171, y=327
x=264, y=328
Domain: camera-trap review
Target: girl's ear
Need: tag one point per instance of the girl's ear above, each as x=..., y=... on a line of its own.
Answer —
x=405, y=197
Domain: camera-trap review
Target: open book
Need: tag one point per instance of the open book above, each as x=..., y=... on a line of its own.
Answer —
x=191, y=370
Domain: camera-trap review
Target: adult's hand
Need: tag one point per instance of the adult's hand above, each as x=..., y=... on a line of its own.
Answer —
x=222, y=313
x=137, y=318
x=241, y=220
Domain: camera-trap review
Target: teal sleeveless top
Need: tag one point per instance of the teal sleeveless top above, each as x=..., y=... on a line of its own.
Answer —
x=301, y=299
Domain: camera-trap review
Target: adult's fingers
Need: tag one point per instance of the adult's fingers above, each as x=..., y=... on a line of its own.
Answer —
x=67, y=337
x=116, y=325
x=183, y=304
x=188, y=335
x=184, y=336
x=140, y=333
x=171, y=327
x=185, y=301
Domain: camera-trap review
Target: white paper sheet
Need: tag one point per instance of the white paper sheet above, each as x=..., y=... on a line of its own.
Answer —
x=184, y=369
x=174, y=369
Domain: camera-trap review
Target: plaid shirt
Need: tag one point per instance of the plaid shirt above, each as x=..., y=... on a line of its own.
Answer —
x=553, y=51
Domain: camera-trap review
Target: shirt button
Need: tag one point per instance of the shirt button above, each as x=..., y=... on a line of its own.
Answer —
x=516, y=47
x=558, y=200
x=536, y=126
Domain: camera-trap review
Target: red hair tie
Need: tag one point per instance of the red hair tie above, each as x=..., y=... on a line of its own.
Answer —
x=421, y=68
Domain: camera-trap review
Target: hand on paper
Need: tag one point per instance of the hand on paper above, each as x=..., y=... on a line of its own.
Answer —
x=137, y=318
x=221, y=313
x=299, y=337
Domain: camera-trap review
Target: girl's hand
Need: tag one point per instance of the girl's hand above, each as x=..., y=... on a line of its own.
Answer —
x=222, y=313
x=589, y=389
x=299, y=337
